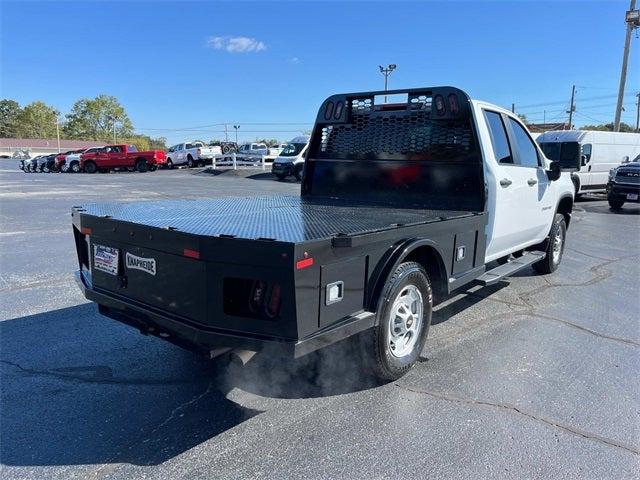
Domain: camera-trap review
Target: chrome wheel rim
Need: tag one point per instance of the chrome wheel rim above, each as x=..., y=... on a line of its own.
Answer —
x=405, y=321
x=557, y=246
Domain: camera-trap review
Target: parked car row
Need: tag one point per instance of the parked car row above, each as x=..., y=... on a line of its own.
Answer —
x=97, y=159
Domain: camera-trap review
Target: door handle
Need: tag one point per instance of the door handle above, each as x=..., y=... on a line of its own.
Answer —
x=589, y=168
x=532, y=182
x=505, y=182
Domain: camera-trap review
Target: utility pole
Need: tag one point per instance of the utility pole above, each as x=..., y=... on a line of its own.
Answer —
x=236, y=127
x=572, y=107
x=638, y=113
x=544, y=117
x=513, y=108
x=58, y=131
x=386, y=72
x=226, y=134
x=632, y=19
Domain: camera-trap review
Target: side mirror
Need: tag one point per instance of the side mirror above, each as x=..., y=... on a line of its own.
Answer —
x=554, y=171
x=583, y=160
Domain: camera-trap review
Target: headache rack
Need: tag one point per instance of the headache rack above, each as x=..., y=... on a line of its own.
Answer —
x=407, y=148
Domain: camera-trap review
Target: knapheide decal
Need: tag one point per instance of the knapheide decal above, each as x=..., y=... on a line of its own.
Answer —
x=139, y=263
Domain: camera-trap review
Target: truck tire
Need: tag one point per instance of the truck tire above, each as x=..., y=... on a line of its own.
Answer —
x=280, y=176
x=297, y=171
x=190, y=162
x=615, y=203
x=141, y=165
x=403, y=321
x=555, y=246
x=576, y=188
x=75, y=167
x=153, y=168
x=169, y=163
x=90, y=167
x=226, y=149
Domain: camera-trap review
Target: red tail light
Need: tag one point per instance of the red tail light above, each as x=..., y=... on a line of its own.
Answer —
x=273, y=307
x=86, y=231
x=257, y=295
x=187, y=252
x=307, y=262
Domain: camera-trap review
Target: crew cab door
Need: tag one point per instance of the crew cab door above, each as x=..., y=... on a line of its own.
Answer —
x=518, y=189
x=114, y=157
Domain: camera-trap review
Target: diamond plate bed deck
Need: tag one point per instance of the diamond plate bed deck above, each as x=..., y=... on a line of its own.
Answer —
x=281, y=218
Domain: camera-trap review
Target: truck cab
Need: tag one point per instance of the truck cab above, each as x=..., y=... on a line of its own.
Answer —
x=407, y=196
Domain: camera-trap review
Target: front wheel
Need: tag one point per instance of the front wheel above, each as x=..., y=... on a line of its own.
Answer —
x=75, y=167
x=403, y=321
x=615, y=204
x=169, y=164
x=298, y=172
x=555, y=247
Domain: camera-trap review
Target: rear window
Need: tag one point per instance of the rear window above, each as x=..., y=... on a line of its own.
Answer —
x=566, y=153
x=132, y=148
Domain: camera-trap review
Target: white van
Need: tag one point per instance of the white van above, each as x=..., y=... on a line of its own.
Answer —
x=291, y=158
x=599, y=152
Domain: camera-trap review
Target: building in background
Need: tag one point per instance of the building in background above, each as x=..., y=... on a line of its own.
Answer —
x=41, y=146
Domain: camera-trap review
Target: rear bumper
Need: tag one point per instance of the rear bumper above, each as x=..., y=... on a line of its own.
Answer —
x=195, y=337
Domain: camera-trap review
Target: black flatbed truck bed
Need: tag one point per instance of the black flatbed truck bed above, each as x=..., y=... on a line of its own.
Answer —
x=392, y=214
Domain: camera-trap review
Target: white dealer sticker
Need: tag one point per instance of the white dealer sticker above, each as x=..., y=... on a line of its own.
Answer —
x=139, y=263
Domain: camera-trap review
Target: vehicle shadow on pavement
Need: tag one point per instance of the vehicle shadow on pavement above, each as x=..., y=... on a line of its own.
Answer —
x=80, y=389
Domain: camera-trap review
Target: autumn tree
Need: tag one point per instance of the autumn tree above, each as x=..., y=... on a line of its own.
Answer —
x=95, y=119
x=36, y=120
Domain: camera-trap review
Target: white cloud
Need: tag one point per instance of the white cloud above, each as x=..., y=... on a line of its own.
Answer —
x=236, y=44
x=294, y=60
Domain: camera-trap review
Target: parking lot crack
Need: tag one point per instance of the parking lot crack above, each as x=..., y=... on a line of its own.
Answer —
x=519, y=411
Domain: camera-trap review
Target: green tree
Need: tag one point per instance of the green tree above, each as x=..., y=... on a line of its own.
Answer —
x=9, y=111
x=36, y=120
x=93, y=119
x=608, y=127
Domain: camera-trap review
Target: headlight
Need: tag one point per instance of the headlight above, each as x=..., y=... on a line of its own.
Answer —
x=612, y=173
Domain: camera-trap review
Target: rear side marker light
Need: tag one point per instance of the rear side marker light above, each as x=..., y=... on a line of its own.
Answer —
x=187, y=252
x=307, y=262
x=86, y=231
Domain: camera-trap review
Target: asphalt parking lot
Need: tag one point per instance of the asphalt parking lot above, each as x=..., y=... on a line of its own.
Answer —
x=534, y=378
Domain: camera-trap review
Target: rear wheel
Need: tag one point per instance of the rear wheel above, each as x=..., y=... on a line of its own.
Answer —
x=169, y=163
x=615, y=203
x=555, y=247
x=75, y=167
x=190, y=162
x=141, y=165
x=90, y=167
x=403, y=320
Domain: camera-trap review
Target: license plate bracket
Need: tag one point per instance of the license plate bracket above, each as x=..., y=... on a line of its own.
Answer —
x=106, y=259
x=632, y=196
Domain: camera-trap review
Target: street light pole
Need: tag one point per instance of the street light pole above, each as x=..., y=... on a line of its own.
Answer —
x=58, y=131
x=386, y=72
x=236, y=127
x=632, y=19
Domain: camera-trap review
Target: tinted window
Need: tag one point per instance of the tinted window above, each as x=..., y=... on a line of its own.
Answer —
x=527, y=153
x=586, y=151
x=132, y=148
x=498, y=137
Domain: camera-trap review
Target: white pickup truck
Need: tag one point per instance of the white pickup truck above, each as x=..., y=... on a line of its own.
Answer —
x=191, y=154
x=403, y=202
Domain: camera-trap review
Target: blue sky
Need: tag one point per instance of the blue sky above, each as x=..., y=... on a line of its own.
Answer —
x=177, y=65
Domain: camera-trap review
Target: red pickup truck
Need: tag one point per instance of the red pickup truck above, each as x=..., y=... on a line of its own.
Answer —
x=121, y=156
